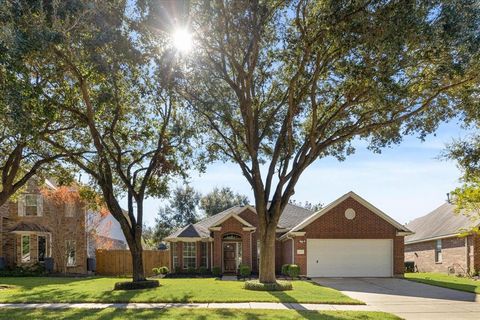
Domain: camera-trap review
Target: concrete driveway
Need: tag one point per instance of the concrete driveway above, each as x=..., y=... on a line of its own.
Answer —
x=408, y=299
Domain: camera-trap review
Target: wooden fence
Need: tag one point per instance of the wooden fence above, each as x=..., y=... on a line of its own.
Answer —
x=119, y=262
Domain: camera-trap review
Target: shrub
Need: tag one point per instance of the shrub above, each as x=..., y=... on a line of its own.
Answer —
x=129, y=285
x=409, y=266
x=293, y=271
x=277, y=286
x=285, y=269
x=216, y=271
x=163, y=270
x=203, y=270
x=178, y=269
x=156, y=271
x=191, y=270
x=244, y=270
x=33, y=270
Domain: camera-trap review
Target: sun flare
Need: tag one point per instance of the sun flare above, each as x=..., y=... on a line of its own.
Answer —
x=182, y=40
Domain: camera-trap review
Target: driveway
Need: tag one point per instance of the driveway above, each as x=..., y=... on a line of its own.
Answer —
x=408, y=299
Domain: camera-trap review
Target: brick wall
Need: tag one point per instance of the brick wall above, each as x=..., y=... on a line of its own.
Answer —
x=365, y=225
x=454, y=254
x=232, y=225
x=287, y=251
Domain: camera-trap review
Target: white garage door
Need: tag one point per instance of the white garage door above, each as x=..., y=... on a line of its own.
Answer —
x=349, y=257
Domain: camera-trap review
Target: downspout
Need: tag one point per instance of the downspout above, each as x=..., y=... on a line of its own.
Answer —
x=293, y=250
x=467, y=258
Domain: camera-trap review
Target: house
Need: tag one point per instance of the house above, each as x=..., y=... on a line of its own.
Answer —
x=437, y=246
x=35, y=227
x=348, y=238
x=104, y=232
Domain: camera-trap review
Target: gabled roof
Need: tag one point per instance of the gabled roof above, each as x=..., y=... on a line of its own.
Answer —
x=442, y=222
x=190, y=231
x=291, y=215
x=357, y=198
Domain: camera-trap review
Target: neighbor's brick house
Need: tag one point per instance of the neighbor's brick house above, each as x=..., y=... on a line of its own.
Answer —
x=437, y=246
x=349, y=237
x=35, y=227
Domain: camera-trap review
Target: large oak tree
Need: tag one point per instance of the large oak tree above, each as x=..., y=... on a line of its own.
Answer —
x=280, y=84
x=114, y=72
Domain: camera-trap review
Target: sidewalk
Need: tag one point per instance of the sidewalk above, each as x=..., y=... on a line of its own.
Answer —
x=245, y=305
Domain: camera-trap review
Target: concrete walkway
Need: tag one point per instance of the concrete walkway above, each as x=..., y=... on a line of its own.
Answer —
x=408, y=299
x=246, y=305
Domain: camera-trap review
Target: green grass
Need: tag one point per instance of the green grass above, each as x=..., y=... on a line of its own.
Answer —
x=193, y=314
x=43, y=289
x=444, y=280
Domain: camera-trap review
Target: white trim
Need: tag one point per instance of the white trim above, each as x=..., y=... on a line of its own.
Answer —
x=31, y=232
x=451, y=235
x=290, y=235
x=248, y=228
x=404, y=233
x=357, y=198
x=215, y=228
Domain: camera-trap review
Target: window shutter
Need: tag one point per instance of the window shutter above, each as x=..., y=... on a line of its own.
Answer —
x=21, y=205
x=39, y=205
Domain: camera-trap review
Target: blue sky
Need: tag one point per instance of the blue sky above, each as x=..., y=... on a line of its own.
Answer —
x=405, y=181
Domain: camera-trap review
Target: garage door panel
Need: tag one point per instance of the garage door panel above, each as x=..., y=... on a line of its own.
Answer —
x=349, y=257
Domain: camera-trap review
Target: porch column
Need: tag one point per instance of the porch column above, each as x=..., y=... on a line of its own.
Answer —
x=217, y=254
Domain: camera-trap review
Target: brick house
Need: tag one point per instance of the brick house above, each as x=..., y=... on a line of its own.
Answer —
x=437, y=246
x=348, y=238
x=34, y=228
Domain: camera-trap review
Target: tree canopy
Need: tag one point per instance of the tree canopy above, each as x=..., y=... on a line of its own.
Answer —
x=220, y=199
x=280, y=84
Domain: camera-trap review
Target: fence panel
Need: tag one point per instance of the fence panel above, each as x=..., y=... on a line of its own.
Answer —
x=119, y=262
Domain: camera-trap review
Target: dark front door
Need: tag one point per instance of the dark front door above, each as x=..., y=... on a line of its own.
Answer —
x=229, y=257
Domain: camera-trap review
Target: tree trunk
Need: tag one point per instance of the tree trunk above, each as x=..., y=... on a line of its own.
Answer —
x=267, y=253
x=137, y=261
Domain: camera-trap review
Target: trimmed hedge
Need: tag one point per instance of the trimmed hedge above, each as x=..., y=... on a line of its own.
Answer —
x=277, y=286
x=129, y=285
x=244, y=271
x=285, y=269
x=293, y=271
x=216, y=271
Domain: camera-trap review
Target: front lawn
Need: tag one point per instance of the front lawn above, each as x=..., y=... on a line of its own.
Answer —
x=44, y=289
x=444, y=280
x=194, y=314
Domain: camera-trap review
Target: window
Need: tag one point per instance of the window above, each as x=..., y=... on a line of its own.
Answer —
x=69, y=209
x=203, y=262
x=189, y=255
x=231, y=236
x=175, y=255
x=71, y=252
x=42, y=248
x=25, y=248
x=31, y=204
x=438, y=251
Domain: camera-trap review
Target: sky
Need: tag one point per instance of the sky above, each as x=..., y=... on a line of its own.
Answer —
x=405, y=181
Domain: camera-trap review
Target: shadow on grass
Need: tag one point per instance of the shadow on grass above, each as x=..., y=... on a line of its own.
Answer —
x=194, y=314
x=450, y=285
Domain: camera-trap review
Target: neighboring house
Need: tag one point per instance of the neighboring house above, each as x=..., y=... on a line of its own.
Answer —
x=436, y=245
x=347, y=238
x=104, y=233
x=35, y=227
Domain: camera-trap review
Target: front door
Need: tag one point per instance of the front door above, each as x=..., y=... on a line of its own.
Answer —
x=230, y=257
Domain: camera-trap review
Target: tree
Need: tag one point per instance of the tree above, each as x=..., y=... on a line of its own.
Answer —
x=181, y=210
x=220, y=199
x=280, y=84
x=308, y=205
x=28, y=113
x=113, y=73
